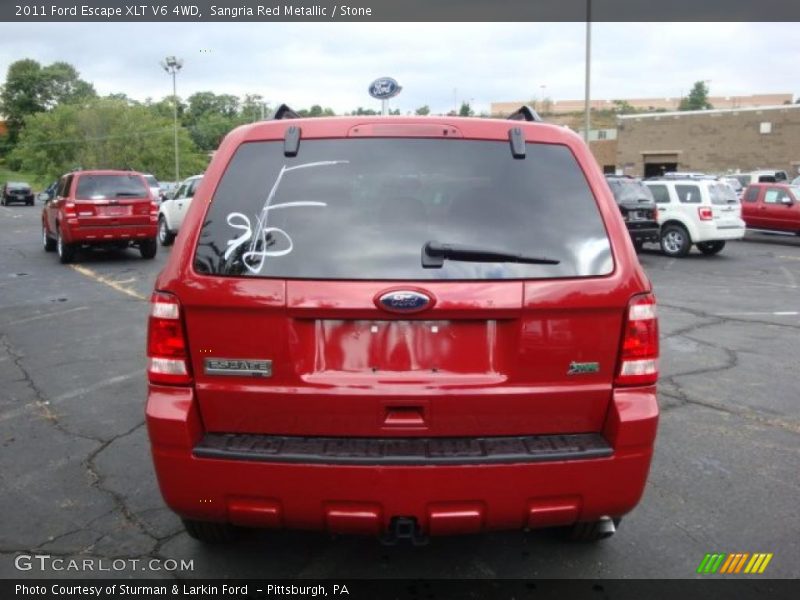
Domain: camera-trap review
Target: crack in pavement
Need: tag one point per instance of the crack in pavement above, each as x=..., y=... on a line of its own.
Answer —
x=41, y=402
x=723, y=318
x=732, y=361
x=97, y=481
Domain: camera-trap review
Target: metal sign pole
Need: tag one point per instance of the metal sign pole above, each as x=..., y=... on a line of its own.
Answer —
x=384, y=107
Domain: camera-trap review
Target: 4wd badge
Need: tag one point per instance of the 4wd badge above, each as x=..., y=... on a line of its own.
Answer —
x=580, y=368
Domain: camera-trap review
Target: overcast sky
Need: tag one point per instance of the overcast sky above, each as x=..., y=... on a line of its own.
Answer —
x=332, y=63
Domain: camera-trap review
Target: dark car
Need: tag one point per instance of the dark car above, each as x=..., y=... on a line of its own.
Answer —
x=402, y=327
x=638, y=208
x=14, y=191
x=101, y=209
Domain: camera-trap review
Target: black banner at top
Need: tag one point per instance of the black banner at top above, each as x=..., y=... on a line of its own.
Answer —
x=397, y=10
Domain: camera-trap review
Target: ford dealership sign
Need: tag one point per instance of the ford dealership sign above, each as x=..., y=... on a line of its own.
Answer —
x=384, y=88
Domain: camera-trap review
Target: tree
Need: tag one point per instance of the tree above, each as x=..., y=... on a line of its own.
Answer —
x=204, y=103
x=697, y=98
x=623, y=107
x=316, y=111
x=364, y=111
x=423, y=110
x=253, y=108
x=105, y=133
x=207, y=132
x=31, y=88
x=64, y=85
x=465, y=110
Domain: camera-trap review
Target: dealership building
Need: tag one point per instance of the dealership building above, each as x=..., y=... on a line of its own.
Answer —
x=713, y=141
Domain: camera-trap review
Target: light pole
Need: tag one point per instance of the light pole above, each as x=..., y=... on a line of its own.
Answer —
x=172, y=65
x=587, y=122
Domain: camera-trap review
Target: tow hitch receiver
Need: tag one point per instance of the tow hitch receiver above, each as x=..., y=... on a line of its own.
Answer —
x=404, y=528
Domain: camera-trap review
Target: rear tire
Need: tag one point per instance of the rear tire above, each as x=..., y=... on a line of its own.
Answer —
x=210, y=533
x=675, y=241
x=165, y=236
x=48, y=243
x=710, y=248
x=591, y=531
x=66, y=252
x=148, y=248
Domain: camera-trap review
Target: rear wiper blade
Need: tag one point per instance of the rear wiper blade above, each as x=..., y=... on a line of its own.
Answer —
x=135, y=194
x=434, y=254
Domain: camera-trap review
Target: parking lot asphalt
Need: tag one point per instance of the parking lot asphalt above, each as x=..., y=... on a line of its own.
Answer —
x=76, y=479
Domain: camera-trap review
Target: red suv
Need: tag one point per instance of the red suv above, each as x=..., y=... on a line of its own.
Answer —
x=402, y=327
x=100, y=208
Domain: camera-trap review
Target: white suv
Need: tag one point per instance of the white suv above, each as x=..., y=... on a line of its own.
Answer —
x=705, y=213
x=172, y=211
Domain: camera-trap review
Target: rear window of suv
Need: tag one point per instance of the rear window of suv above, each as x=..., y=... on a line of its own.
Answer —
x=364, y=208
x=99, y=187
x=629, y=191
x=722, y=193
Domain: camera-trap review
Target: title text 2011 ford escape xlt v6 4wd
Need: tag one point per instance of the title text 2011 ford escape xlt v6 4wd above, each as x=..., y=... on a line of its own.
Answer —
x=402, y=327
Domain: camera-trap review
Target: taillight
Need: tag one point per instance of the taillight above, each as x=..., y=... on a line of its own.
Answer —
x=705, y=213
x=638, y=363
x=167, y=352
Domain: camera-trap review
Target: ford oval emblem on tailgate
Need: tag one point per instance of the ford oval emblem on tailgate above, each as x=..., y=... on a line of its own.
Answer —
x=404, y=301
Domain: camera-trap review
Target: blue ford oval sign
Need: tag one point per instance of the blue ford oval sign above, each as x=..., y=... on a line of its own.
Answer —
x=384, y=88
x=404, y=301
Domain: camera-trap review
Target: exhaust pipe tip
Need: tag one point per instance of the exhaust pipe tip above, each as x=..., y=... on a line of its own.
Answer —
x=605, y=527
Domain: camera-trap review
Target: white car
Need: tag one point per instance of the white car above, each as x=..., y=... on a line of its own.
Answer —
x=701, y=212
x=172, y=210
x=761, y=176
x=155, y=188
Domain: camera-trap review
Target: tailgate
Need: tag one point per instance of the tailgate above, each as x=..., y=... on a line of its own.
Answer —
x=113, y=213
x=500, y=358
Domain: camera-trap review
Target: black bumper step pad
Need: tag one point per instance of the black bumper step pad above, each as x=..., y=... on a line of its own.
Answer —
x=402, y=451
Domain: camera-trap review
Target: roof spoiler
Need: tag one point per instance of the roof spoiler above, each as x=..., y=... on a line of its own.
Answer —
x=524, y=113
x=284, y=112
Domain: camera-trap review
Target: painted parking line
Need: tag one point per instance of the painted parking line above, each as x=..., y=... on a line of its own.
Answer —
x=109, y=282
x=98, y=386
x=778, y=313
x=48, y=315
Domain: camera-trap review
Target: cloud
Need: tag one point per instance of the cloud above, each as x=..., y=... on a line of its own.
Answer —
x=439, y=64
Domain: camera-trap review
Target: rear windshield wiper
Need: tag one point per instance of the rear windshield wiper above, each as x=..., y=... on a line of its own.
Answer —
x=434, y=254
x=135, y=194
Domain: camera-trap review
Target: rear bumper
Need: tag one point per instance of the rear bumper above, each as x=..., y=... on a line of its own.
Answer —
x=712, y=232
x=443, y=498
x=644, y=232
x=17, y=198
x=116, y=233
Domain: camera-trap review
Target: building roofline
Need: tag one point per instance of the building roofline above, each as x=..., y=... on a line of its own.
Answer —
x=710, y=111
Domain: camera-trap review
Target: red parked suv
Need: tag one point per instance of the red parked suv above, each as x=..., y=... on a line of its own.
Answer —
x=402, y=327
x=100, y=208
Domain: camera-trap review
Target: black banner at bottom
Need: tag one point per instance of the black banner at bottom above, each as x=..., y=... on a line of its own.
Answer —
x=431, y=589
